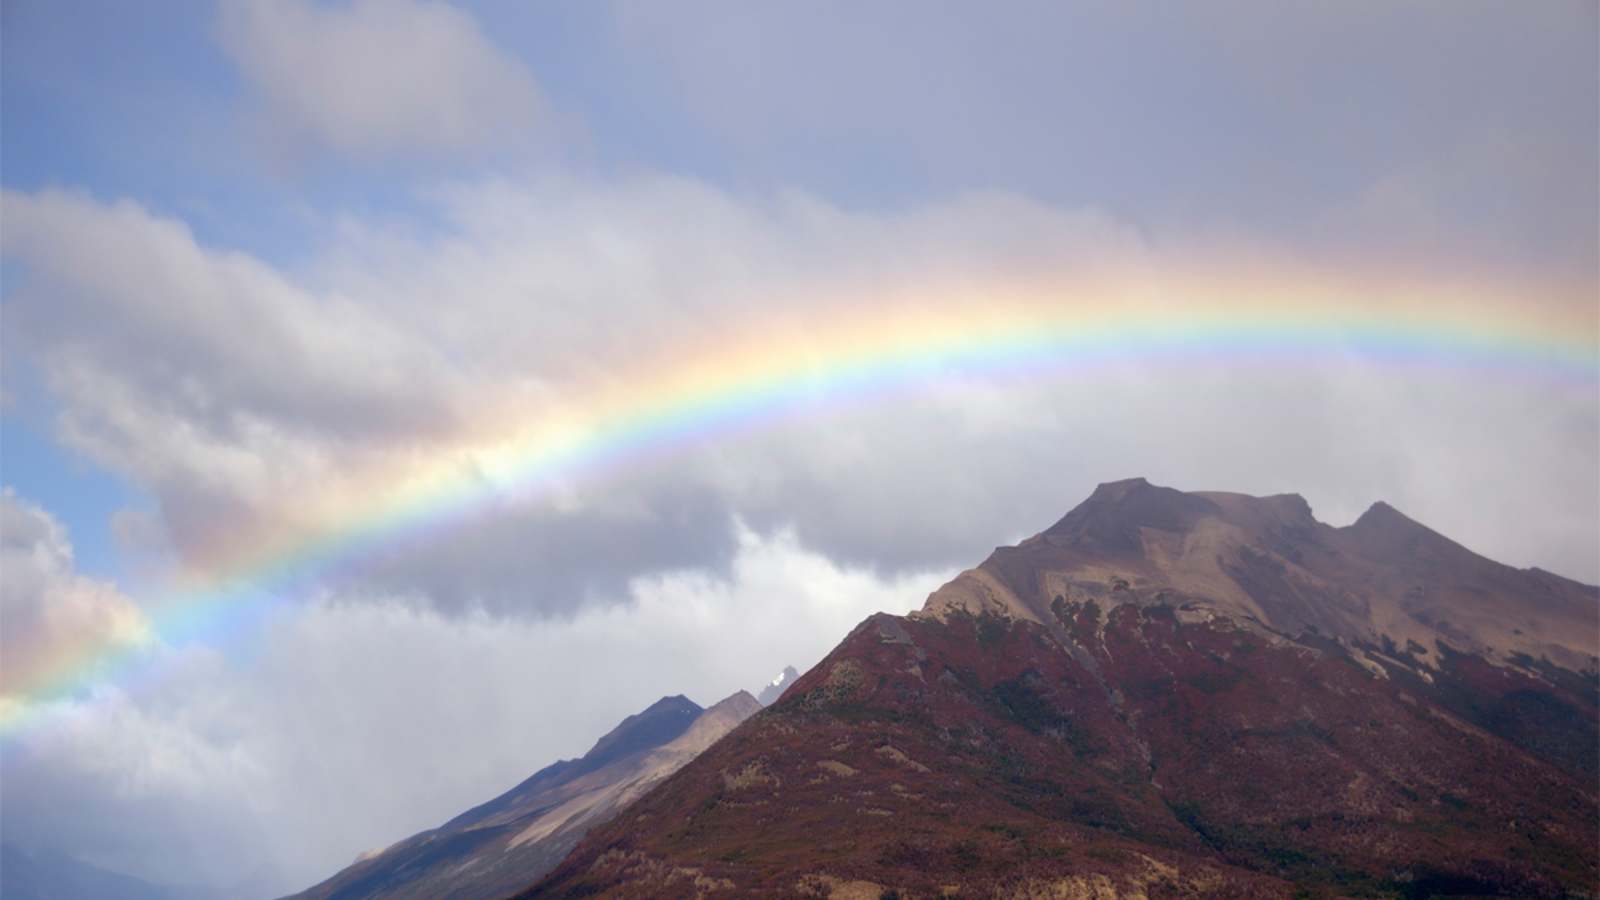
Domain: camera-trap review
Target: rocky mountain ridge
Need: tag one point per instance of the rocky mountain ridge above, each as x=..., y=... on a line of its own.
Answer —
x=1382, y=578
x=497, y=847
x=1163, y=694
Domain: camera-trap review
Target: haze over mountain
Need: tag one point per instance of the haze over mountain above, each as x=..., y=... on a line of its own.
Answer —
x=30, y=876
x=1163, y=694
x=43, y=875
x=492, y=849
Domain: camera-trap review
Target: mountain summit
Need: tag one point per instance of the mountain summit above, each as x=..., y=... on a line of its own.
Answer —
x=1267, y=559
x=775, y=688
x=1162, y=694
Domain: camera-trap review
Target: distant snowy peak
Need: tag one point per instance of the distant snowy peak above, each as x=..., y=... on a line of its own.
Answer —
x=775, y=688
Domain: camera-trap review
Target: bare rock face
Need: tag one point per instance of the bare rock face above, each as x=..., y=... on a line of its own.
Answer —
x=1164, y=694
x=499, y=847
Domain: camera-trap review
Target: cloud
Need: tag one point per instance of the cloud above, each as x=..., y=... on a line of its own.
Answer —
x=91, y=766
x=935, y=164
x=374, y=79
x=258, y=404
x=49, y=614
x=1266, y=118
x=204, y=375
x=90, y=761
x=289, y=755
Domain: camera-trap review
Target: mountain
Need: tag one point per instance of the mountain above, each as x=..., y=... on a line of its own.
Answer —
x=775, y=688
x=1163, y=694
x=500, y=846
x=25, y=875
x=41, y=874
x=1269, y=560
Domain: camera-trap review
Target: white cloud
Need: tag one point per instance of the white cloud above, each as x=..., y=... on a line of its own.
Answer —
x=252, y=401
x=345, y=725
x=206, y=375
x=50, y=616
x=381, y=78
x=77, y=766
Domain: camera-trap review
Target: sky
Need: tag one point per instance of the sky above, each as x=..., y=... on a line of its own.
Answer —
x=396, y=394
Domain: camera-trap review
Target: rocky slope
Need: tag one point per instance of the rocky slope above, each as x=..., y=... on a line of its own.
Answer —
x=1164, y=694
x=493, y=849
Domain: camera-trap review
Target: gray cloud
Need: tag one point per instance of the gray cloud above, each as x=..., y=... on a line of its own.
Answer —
x=1467, y=132
x=883, y=157
x=340, y=725
x=400, y=347
x=380, y=79
x=536, y=558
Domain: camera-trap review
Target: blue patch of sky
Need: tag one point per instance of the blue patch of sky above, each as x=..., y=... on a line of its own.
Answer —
x=139, y=101
x=75, y=490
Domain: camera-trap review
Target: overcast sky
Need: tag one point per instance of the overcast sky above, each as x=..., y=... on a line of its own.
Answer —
x=257, y=252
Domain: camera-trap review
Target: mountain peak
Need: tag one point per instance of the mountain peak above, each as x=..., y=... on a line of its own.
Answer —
x=1380, y=508
x=741, y=701
x=1269, y=560
x=1388, y=533
x=718, y=719
x=1293, y=504
x=658, y=723
x=1114, y=490
x=1382, y=515
x=1110, y=519
x=775, y=688
x=1204, y=705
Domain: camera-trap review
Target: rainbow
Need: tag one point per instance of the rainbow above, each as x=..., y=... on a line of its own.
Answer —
x=859, y=351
